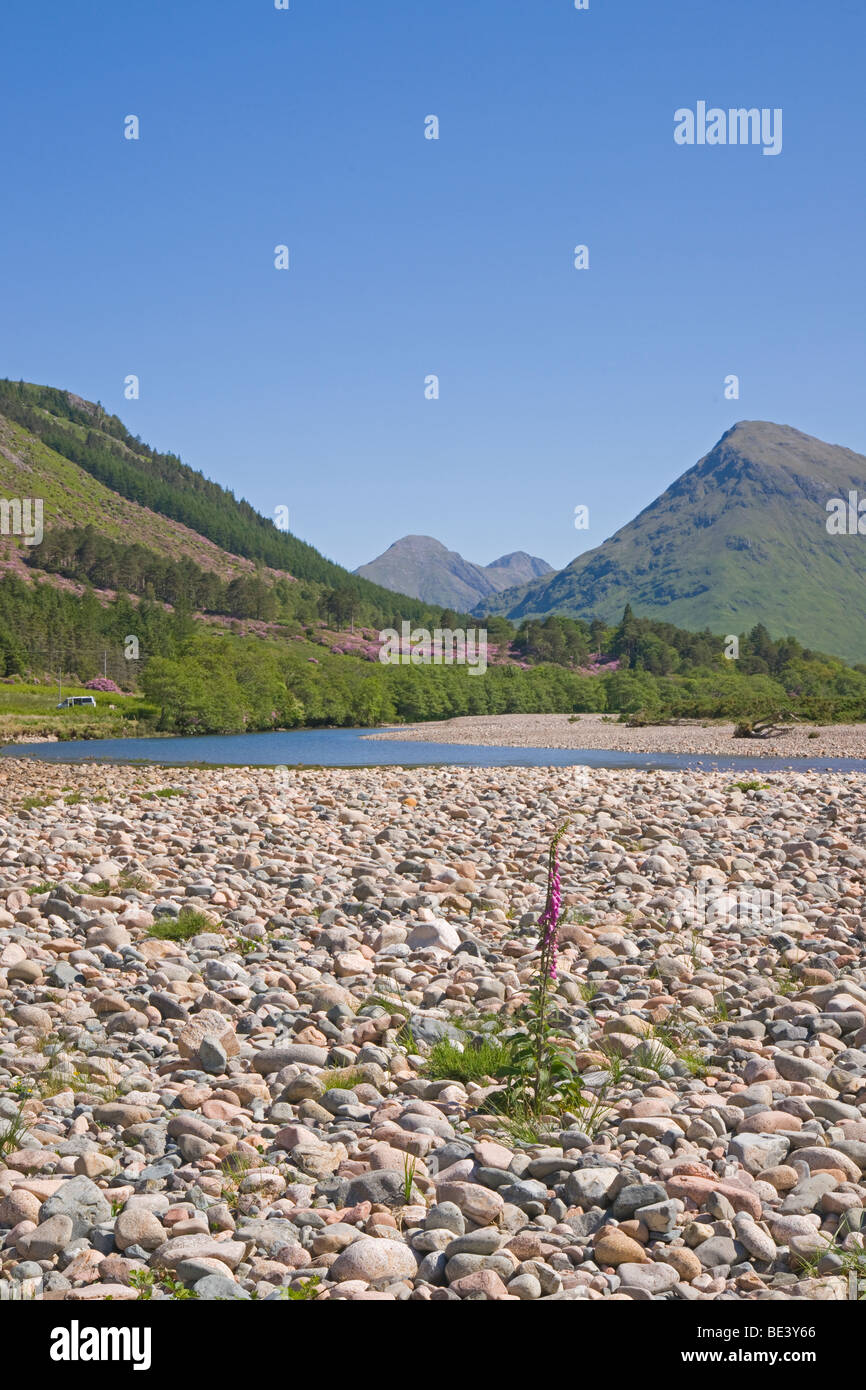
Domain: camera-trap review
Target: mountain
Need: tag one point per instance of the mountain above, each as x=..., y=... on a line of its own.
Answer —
x=423, y=567
x=738, y=539
x=90, y=473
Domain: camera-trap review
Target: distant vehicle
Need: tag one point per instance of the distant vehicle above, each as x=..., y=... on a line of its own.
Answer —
x=76, y=700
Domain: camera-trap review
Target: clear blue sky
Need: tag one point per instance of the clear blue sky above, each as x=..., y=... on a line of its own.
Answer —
x=410, y=257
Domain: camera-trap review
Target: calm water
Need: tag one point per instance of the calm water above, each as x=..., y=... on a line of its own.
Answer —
x=350, y=748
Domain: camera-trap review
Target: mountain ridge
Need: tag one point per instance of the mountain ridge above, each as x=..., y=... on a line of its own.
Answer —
x=739, y=538
x=425, y=568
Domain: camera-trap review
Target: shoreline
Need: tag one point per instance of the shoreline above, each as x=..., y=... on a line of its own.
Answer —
x=592, y=732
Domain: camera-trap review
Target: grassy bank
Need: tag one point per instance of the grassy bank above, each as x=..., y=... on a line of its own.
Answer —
x=30, y=712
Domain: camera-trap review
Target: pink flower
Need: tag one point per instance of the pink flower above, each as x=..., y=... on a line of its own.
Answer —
x=548, y=922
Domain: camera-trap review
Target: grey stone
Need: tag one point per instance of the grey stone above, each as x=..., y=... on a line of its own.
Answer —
x=637, y=1195
x=49, y=1238
x=272, y=1059
x=445, y=1216
x=80, y=1200
x=589, y=1186
x=212, y=1055
x=219, y=1286
x=385, y=1186
x=484, y=1241
x=759, y=1151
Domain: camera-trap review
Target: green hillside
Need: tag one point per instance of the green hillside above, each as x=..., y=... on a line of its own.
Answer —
x=85, y=464
x=739, y=539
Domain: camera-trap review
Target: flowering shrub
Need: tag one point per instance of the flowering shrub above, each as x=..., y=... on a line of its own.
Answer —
x=103, y=683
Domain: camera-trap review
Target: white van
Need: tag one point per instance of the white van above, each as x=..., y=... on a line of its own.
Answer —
x=76, y=700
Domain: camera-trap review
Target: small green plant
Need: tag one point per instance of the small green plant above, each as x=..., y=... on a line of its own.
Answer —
x=188, y=923
x=100, y=889
x=129, y=882
x=39, y=888
x=52, y=1081
x=651, y=1055
x=389, y=1002
x=234, y=1168
x=525, y=1128
x=74, y=799
x=305, y=1293
x=751, y=786
x=787, y=983
x=146, y=1281
x=143, y=1280
x=446, y=1061
x=588, y=991
x=692, y=1059
x=347, y=1081
x=406, y=1039
x=615, y=1068
x=409, y=1166
x=846, y=1245
x=591, y=1109
x=33, y=803
x=14, y=1130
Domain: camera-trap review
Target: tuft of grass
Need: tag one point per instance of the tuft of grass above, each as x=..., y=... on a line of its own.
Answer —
x=406, y=1039
x=188, y=923
x=340, y=1083
x=14, y=1130
x=588, y=991
x=39, y=888
x=234, y=1169
x=33, y=803
x=750, y=786
x=526, y=1128
x=447, y=1061
x=131, y=883
x=853, y=1260
x=615, y=1068
x=100, y=889
x=590, y=1108
x=651, y=1055
x=409, y=1167
x=693, y=1060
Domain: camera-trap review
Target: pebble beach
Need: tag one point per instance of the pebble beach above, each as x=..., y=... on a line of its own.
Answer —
x=259, y=1107
x=599, y=731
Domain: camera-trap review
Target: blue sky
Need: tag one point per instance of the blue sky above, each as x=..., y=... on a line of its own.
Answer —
x=410, y=256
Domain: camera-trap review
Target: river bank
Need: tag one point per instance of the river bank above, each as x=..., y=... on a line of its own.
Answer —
x=598, y=731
